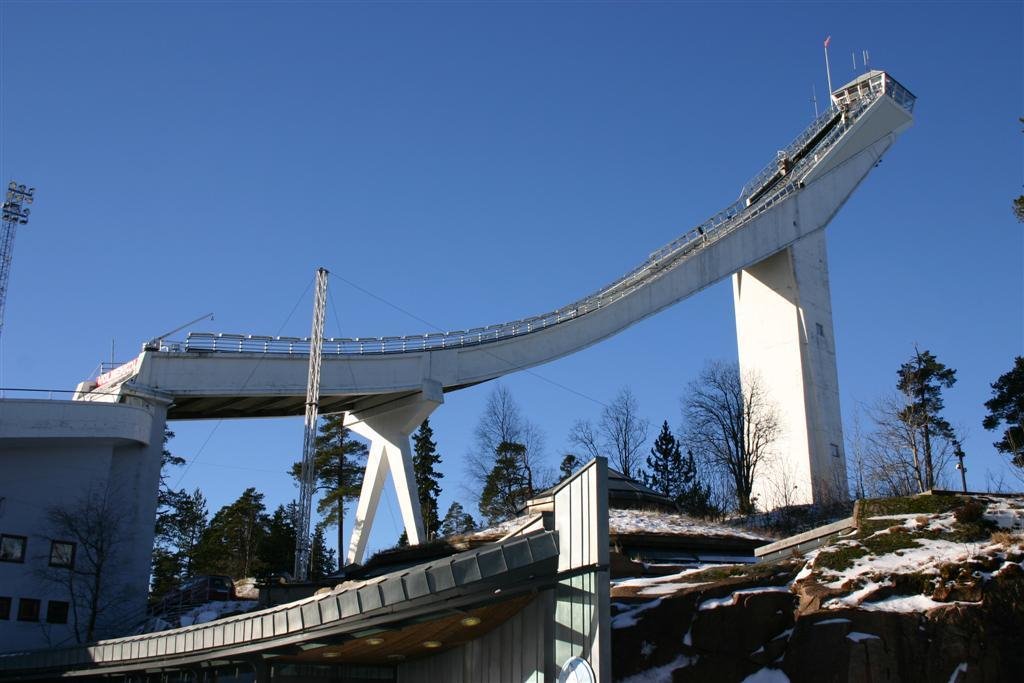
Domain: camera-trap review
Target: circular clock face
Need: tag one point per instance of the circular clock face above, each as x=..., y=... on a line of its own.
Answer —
x=577, y=670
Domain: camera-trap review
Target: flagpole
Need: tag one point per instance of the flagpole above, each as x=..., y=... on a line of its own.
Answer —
x=828, y=72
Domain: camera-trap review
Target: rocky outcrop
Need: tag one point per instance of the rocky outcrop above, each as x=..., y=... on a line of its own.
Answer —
x=851, y=617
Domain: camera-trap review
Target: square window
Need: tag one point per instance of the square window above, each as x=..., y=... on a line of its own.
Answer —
x=62, y=554
x=835, y=450
x=57, y=612
x=5, y=607
x=28, y=609
x=12, y=548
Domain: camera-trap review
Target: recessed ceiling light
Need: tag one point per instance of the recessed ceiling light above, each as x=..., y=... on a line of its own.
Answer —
x=432, y=644
x=374, y=641
x=332, y=654
x=470, y=621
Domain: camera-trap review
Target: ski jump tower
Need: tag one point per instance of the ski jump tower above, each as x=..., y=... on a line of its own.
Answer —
x=771, y=242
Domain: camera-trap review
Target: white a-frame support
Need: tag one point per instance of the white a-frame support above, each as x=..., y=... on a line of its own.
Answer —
x=387, y=424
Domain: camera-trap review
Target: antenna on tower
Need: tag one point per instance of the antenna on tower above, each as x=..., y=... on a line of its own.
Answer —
x=15, y=213
x=814, y=99
x=854, y=56
x=865, y=57
x=828, y=71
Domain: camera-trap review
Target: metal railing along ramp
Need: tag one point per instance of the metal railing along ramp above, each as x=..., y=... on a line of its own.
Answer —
x=793, y=196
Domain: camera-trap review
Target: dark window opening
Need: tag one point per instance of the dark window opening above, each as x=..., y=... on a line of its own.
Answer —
x=12, y=548
x=57, y=612
x=821, y=330
x=62, y=554
x=835, y=450
x=5, y=607
x=28, y=609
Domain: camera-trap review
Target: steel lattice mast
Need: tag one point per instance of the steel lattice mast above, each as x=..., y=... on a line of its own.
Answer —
x=308, y=482
x=15, y=213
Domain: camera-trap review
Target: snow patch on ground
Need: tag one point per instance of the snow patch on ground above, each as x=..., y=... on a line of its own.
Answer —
x=641, y=522
x=925, y=559
x=652, y=522
x=661, y=674
x=767, y=675
x=1007, y=513
x=215, y=610
x=733, y=597
x=645, y=581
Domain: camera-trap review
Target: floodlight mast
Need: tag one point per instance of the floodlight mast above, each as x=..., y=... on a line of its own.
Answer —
x=15, y=213
x=308, y=474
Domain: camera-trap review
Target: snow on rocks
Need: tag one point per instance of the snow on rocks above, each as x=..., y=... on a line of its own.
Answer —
x=858, y=636
x=908, y=603
x=767, y=675
x=628, y=617
x=661, y=674
x=733, y=597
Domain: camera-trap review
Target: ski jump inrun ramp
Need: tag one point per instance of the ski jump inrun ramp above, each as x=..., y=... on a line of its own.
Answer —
x=771, y=241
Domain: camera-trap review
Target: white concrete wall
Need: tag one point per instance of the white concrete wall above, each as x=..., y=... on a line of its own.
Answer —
x=786, y=340
x=52, y=453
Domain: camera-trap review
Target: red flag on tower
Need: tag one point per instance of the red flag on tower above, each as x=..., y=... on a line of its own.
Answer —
x=828, y=40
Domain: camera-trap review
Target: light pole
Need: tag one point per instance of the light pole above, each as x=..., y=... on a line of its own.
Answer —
x=958, y=452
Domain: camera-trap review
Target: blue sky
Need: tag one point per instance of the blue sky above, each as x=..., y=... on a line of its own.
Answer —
x=479, y=162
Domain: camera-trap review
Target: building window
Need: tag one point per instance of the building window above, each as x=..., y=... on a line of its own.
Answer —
x=835, y=450
x=62, y=554
x=5, y=607
x=821, y=330
x=12, y=548
x=28, y=609
x=57, y=612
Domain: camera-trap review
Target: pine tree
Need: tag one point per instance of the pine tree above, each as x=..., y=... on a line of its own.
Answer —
x=570, y=463
x=425, y=457
x=665, y=464
x=921, y=380
x=230, y=544
x=178, y=531
x=694, y=497
x=457, y=521
x=277, y=549
x=338, y=464
x=321, y=558
x=508, y=485
x=166, y=568
x=1006, y=409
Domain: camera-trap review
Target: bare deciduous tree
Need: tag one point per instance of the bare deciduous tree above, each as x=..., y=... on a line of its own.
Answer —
x=503, y=422
x=733, y=424
x=96, y=594
x=891, y=454
x=620, y=433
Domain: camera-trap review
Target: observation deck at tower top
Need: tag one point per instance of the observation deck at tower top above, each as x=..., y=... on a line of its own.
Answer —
x=797, y=193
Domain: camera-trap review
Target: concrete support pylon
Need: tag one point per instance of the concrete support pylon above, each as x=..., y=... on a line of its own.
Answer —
x=387, y=424
x=785, y=338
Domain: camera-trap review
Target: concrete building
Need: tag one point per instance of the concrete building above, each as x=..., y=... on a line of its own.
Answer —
x=78, y=488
